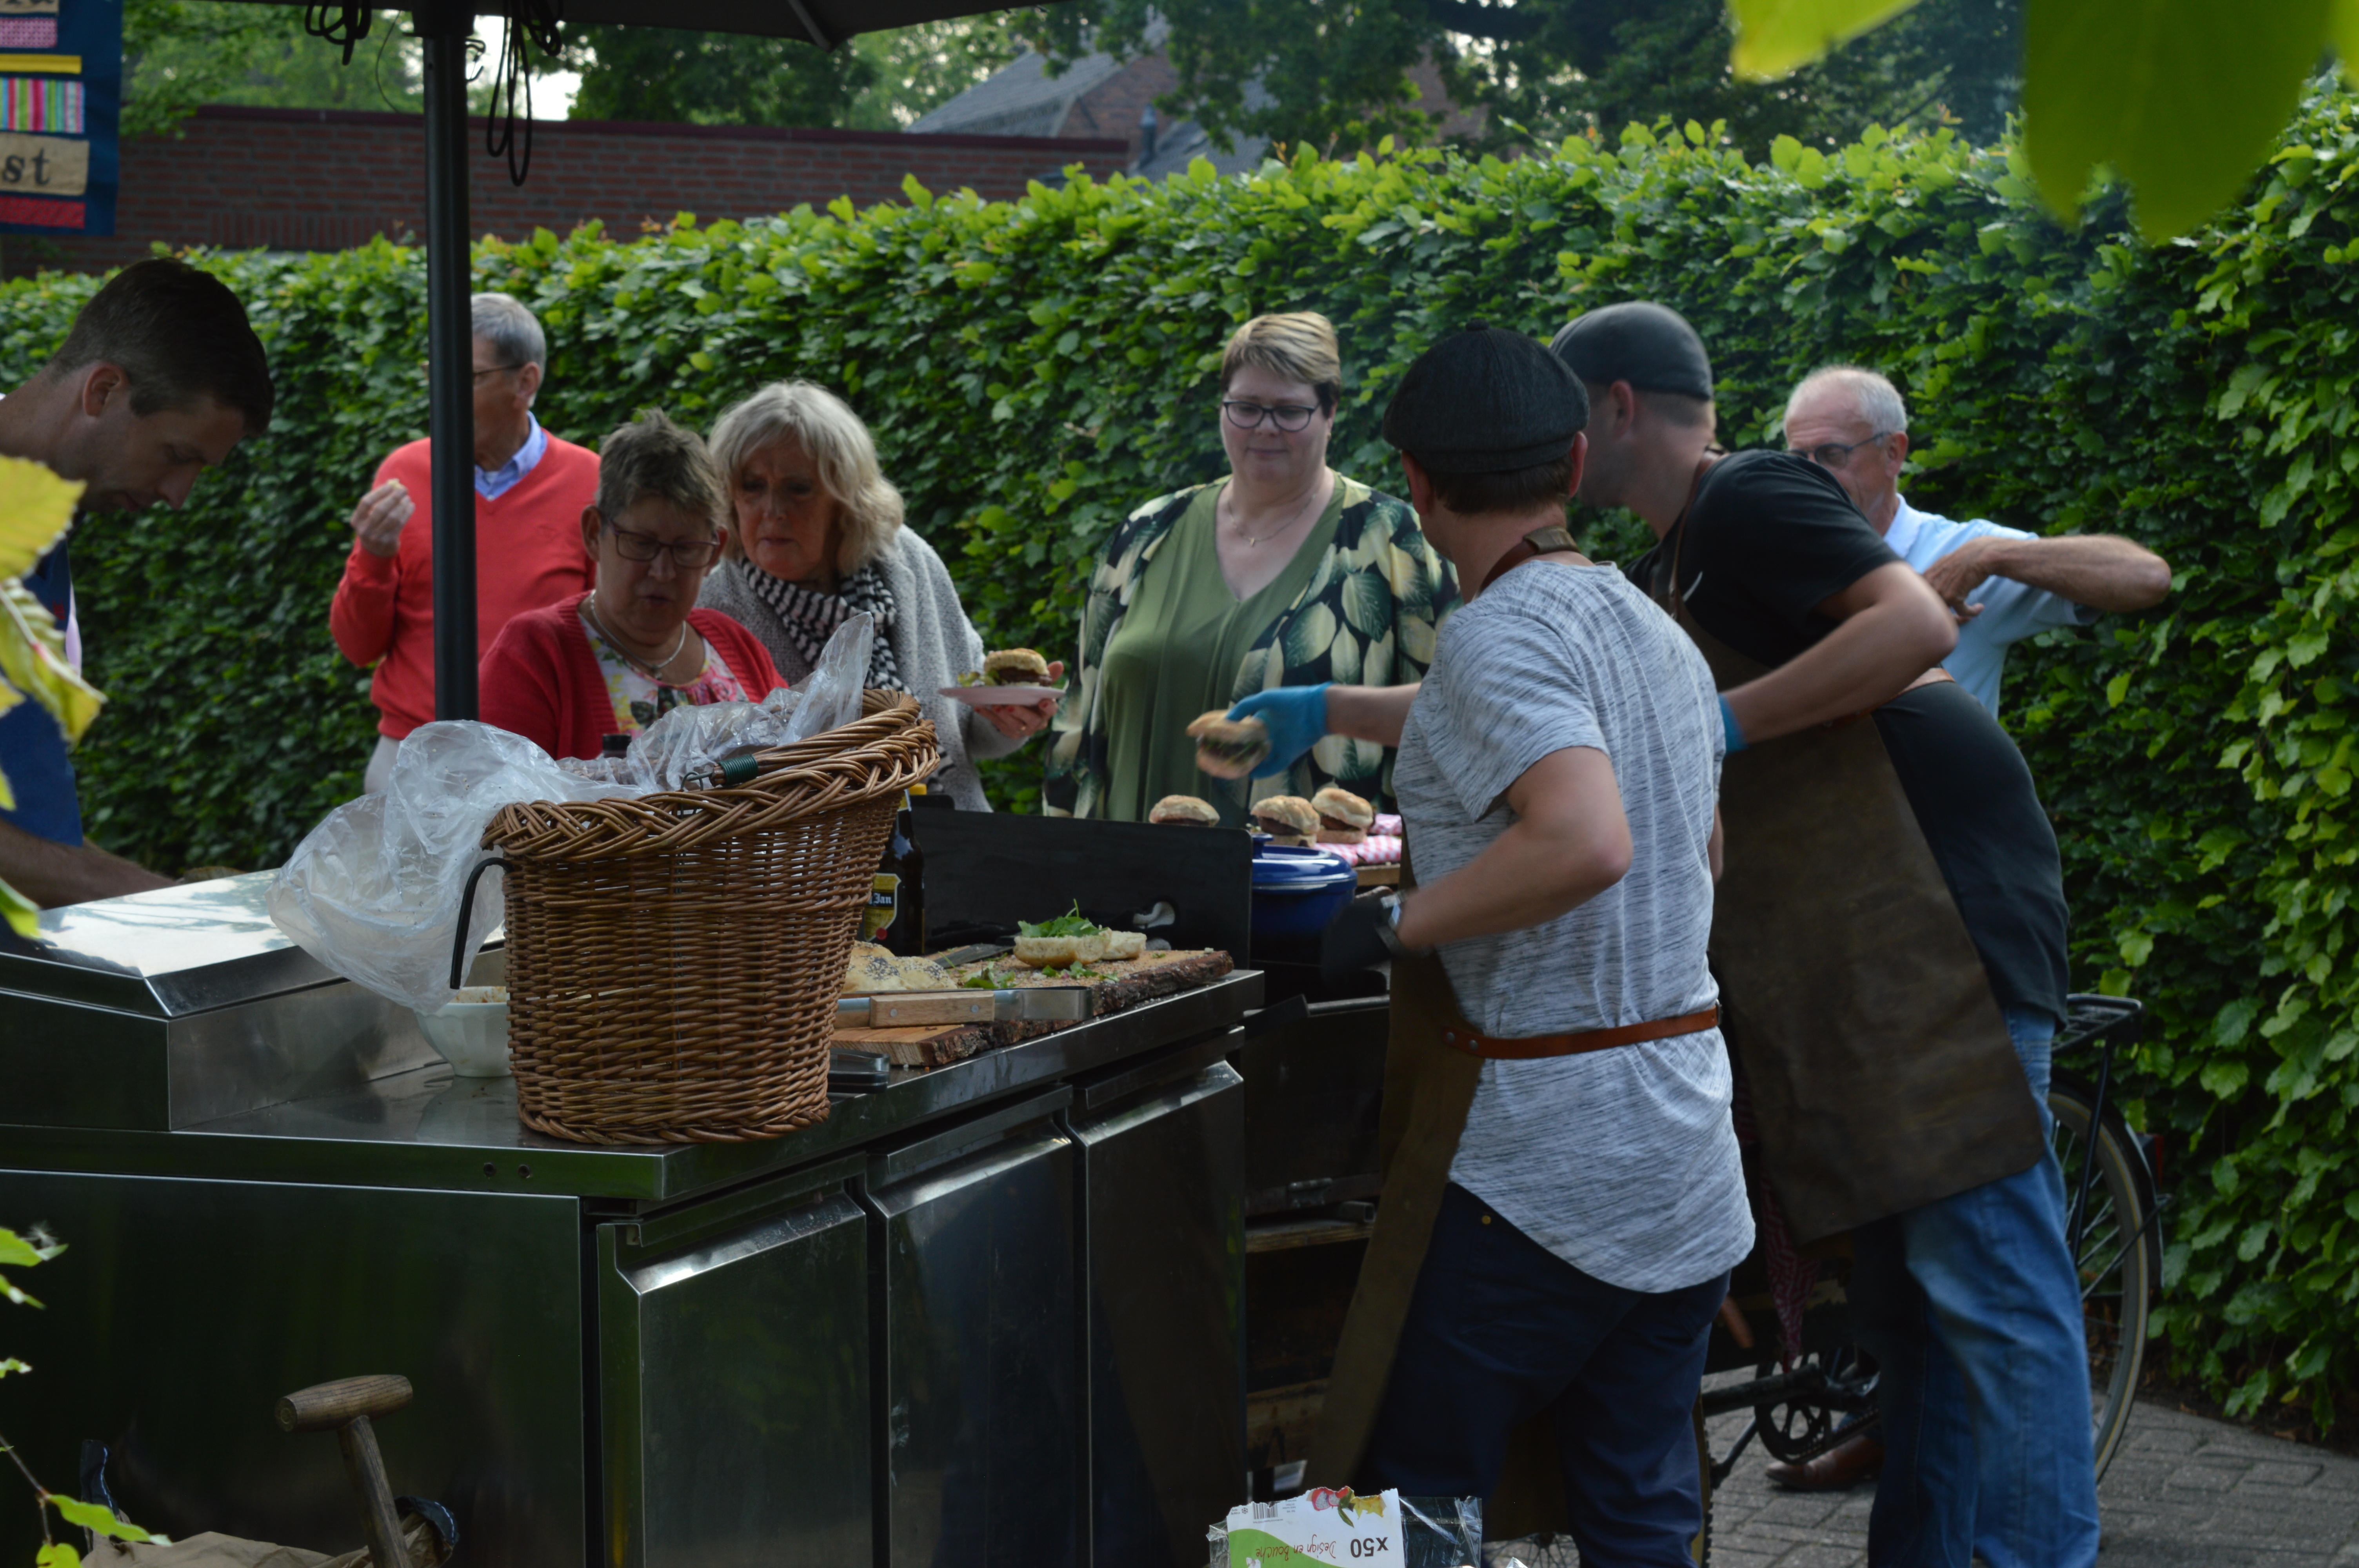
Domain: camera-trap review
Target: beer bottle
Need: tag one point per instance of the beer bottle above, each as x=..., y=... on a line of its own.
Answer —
x=897, y=901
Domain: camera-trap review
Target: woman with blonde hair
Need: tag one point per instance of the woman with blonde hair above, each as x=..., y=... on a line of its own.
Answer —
x=817, y=539
x=1284, y=574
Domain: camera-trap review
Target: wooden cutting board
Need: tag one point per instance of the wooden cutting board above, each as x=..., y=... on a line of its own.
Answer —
x=1115, y=985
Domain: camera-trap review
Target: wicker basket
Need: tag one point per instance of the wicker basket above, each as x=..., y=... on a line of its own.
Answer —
x=673, y=960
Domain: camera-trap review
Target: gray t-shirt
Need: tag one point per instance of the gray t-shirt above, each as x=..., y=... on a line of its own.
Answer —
x=1621, y=1162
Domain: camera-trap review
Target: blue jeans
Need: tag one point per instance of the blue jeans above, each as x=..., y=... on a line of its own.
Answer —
x=1972, y=1309
x=1501, y=1329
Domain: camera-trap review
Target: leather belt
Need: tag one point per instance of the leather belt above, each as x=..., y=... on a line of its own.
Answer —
x=1467, y=1038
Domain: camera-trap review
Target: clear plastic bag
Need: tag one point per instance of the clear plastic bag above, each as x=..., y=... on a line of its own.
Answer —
x=669, y=753
x=374, y=891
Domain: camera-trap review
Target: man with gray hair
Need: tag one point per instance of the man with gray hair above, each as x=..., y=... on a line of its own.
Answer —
x=2001, y=583
x=531, y=490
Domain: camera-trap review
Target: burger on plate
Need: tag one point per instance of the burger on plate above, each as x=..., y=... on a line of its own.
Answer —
x=1343, y=817
x=1184, y=811
x=1229, y=748
x=1014, y=667
x=1286, y=818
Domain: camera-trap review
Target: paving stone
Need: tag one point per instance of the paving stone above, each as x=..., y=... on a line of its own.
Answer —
x=2281, y=1473
x=2204, y=1477
x=2185, y=1492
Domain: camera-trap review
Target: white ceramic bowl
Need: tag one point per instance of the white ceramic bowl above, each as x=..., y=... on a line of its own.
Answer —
x=472, y=1032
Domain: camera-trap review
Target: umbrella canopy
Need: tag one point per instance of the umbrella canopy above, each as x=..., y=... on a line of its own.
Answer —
x=443, y=26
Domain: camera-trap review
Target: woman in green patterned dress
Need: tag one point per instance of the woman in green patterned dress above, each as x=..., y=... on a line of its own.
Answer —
x=1284, y=574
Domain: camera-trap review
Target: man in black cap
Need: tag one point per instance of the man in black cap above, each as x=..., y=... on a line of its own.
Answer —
x=1563, y=1210
x=1891, y=932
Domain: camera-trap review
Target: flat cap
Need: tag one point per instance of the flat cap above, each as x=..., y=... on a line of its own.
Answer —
x=1486, y=400
x=1648, y=345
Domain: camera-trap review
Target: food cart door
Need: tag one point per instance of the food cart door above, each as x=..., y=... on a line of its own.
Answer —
x=978, y=1384
x=1163, y=1189
x=733, y=1392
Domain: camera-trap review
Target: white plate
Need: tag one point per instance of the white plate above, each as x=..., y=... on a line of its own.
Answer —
x=1001, y=695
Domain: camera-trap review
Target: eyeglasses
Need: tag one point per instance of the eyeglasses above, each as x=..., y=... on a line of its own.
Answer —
x=1832, y=455
x=687, y=555
x=494, y=370
x=1287, y=417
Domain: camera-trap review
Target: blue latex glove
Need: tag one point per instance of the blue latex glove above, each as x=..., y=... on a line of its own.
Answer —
x=1728, y=727
x=1297, y=720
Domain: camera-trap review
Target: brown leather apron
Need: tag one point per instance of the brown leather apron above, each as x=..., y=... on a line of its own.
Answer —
x=1882, y=1072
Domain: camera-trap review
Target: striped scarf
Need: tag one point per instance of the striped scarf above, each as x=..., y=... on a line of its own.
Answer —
x=811, y=618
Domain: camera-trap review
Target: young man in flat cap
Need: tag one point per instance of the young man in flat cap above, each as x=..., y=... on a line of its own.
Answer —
x=1561, y=1216
x=1891, y=932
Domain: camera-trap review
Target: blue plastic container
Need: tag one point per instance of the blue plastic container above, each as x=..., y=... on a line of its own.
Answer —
x=1297, y=890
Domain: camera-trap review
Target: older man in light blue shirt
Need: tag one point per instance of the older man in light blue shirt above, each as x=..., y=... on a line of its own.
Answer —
x=2001, y=583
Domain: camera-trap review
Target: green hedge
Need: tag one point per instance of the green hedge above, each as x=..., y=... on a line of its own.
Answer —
x=1034, y=368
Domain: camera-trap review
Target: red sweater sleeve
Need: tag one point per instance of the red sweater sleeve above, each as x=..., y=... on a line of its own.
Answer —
x=360, y=616
x=520, y=685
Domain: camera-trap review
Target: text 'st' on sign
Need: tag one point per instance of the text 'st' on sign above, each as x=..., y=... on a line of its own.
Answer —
x=60, y=100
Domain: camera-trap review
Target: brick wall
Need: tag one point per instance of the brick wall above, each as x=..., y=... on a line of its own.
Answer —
x=327, y=179
x=1112, y=107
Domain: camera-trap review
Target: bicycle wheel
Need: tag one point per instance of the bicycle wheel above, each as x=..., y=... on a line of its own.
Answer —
x=2115, y=1255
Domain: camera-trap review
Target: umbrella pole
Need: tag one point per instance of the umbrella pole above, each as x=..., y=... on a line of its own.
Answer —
x=444, y=28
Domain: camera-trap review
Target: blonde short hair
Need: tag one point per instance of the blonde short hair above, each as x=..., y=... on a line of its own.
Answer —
x=840, y=448
x=1298, y=345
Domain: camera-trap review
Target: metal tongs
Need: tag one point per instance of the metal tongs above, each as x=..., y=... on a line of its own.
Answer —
x=902, y=1010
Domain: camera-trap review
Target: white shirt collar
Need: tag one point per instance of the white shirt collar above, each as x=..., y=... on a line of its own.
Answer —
x=493, y=483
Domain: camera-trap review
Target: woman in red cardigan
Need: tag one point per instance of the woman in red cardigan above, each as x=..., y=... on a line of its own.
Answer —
x=613, y=660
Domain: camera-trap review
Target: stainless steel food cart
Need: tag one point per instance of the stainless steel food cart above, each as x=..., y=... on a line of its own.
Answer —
x=989, y=1314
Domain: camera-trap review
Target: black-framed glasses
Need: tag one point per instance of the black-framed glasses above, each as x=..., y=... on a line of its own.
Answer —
x=1834, y=455
x=494, y=370
x=1286, y=416
x=687, y=555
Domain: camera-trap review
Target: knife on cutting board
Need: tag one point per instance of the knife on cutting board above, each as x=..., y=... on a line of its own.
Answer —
x=901, y=1010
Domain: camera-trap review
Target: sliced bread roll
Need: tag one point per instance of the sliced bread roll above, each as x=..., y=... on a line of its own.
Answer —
x=1343, y=817
x=874, y=971
x=1286, y=818
x=1048, y=952
x=1184, y=811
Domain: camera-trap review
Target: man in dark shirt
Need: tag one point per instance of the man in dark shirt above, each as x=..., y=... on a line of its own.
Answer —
x=159, y=377
x=1968, y=1301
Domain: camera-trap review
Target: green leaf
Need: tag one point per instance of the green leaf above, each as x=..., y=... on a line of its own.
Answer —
x=23, y=916
x=98, y=1516
x=2226, y=1079
x=56, y=1554
x=1070, y=924
x=2110, y=83
x=1775, y=37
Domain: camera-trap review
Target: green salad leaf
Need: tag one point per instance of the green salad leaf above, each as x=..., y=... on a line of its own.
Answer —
x=1069, y=924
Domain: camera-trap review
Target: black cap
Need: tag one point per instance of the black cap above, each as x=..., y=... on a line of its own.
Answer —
x=1487, y=401
x=1648, y=345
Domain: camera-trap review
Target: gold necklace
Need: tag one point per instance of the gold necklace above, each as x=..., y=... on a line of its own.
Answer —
x=1255, y=544
x=652, y=672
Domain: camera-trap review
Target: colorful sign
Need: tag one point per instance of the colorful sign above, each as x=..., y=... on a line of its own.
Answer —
x=1321, y=1528
x=60, y=100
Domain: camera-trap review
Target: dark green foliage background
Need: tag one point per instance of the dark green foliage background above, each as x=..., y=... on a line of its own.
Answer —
x=1034, y=370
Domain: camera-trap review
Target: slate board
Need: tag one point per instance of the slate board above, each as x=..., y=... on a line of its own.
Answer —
x=1126, y=984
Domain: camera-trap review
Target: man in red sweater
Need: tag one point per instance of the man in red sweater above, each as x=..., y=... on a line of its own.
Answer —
x=531, y=490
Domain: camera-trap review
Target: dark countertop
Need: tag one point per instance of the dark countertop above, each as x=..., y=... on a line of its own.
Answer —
x=428, y=1128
